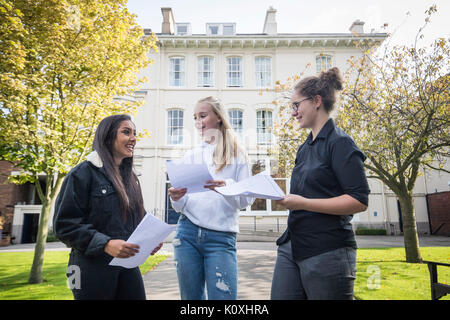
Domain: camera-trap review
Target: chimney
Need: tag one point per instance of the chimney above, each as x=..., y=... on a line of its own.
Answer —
x=168, y=24
x=357, y=27
x=270, y=24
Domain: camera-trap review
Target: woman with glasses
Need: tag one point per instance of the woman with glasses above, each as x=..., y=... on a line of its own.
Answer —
x=317, y=253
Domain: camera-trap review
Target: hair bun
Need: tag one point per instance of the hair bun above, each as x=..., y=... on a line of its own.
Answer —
x=332, y=78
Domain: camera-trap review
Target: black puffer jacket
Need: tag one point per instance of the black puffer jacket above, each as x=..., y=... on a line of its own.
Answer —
x=87, y=210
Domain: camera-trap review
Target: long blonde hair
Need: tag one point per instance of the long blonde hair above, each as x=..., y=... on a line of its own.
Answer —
x=227, y=146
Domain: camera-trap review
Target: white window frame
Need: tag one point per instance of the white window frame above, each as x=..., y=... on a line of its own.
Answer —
x=269, y=211
x=208, y=30
x=263, y=135
x=220, y=29
x=263, y=71
x=201, y=71
x=324, y=61
x=232, y=25
x=183, y=24
x=231, y=112
x=175, y=139
x=181, y=71
x=231, y=69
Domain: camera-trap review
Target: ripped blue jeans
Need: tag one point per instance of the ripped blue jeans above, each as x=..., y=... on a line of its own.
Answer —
x=205, y=258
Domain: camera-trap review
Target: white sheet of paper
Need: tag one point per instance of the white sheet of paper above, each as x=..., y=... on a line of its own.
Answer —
x=258, y=186
x=148, y=235
x=192, y=176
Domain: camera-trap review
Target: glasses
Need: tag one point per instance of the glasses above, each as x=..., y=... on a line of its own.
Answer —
x=296, y=104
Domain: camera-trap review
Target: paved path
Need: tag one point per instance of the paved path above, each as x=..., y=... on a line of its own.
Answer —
x=251, y=242
x=254, y=280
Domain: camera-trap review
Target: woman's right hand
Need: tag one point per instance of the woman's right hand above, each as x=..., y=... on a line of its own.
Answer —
x=176, y=193
x=118, y=248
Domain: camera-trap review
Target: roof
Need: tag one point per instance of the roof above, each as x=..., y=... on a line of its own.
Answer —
x=278, y=35
x=258, y=40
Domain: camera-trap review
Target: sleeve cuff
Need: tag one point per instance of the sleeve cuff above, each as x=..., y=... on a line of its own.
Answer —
x=179, y=205
x=97, y=244
x=361, y=197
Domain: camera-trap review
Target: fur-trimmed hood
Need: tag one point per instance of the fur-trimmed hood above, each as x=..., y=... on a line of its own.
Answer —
x=95, y=159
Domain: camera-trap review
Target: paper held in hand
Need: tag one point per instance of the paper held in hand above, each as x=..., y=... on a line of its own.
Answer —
x=148, y=235
x=258, y=186
x=192, y=176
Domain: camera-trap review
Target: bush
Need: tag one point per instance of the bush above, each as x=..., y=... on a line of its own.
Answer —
x=51, y=236
x=367, y=232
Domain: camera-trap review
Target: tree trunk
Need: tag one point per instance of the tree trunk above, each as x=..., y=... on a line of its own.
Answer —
x=38, y=260
x=410, y=229
x=39, y=249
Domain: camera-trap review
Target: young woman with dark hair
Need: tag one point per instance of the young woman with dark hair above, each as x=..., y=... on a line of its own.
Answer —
x=99, y=206
x=317, y=253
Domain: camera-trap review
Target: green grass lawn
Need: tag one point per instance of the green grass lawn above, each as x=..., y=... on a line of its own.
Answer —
x=398, y=280
x=15, y=269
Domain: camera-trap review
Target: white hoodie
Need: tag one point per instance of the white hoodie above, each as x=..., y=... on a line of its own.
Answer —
x=210, y=209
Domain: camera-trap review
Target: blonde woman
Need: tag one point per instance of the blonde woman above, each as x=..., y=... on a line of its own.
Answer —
x=205, y=241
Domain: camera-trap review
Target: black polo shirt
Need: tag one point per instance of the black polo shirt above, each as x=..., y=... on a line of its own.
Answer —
x=329, y=166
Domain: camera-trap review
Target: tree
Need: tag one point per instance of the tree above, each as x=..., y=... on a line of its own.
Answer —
x=396, y=107
x=286, y=132
x=62, y=64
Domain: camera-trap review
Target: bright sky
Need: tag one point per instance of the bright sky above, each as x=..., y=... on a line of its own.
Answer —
x=300, y=16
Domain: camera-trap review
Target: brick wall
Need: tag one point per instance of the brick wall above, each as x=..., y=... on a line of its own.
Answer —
x=439, y=213
x=6, y=194
x=10, y=194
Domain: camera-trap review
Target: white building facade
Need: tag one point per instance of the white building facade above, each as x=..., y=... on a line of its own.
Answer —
x=237, y=69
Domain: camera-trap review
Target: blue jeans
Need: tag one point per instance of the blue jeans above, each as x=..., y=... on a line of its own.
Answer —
x=205, y=257
x=327, y=276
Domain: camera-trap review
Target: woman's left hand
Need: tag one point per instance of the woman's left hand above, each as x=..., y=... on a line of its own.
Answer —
x=211, y=184
x=292, y=202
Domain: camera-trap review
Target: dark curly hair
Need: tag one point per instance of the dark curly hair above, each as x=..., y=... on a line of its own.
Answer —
x=325, y=85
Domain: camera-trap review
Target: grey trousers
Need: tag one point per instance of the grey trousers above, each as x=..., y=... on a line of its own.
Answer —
x=327, y=276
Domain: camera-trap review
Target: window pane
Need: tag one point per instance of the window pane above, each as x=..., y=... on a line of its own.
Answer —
x=259, y=204
x=228, y=30
x=323, y=62
x=205, y=71
x=234, y=72
x=263, y=125
x=263, y=71
x=175, y=127
x=214, y=29
x=275, y=205
x=258, y=167
x=236, y=121
x=176, y=72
